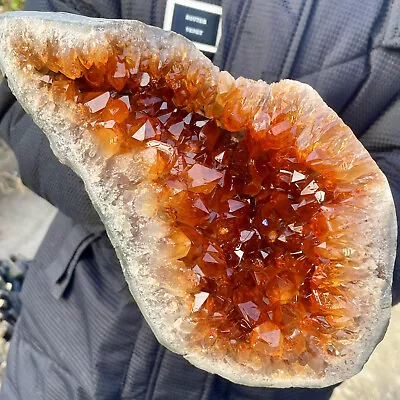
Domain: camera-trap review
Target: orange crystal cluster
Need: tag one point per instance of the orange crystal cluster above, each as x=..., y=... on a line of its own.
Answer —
x=253, y=222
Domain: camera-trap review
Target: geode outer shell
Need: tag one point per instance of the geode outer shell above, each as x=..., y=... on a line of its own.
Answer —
x=136, y=235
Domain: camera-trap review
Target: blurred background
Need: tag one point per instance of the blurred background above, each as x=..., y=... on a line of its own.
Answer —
x=11, y=5
x=24, y=219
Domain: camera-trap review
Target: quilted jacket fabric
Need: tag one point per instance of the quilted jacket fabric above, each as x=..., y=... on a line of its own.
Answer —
x=80, y=334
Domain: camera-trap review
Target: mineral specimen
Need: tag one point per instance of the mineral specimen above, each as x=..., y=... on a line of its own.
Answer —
x=255, y=232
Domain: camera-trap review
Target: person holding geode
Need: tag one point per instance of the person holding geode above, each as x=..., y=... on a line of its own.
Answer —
x=80, y=333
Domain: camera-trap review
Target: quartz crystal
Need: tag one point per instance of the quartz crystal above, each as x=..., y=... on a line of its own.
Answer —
x=254, y=203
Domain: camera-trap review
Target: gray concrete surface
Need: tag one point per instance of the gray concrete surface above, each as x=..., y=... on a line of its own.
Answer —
x=24, y=217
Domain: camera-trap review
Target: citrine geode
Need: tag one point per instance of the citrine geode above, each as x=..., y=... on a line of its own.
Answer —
x=255, y=232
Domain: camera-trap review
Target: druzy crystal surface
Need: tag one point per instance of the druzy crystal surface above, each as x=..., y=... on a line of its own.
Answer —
x=255, y=231
x=261, y=194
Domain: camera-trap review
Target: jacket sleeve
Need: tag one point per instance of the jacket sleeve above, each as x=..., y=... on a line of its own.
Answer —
x=382, y=140
x=39, y=168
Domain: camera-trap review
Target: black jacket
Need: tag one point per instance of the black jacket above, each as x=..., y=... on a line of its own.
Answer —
x=80, y=334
